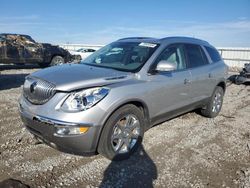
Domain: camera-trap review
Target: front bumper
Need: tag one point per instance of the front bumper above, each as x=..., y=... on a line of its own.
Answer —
x=45, y=129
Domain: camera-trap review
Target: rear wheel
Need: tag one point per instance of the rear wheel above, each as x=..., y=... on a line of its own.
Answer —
x=122, y=134
x=57, y=60
x=214, y=105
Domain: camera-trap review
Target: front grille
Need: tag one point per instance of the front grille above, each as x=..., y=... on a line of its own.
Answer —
x=38, y=91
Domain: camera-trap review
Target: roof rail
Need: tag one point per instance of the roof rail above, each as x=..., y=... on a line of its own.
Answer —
x=135, y=38
x=191, y=38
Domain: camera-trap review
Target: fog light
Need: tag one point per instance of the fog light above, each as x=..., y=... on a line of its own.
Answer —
x=71, y=130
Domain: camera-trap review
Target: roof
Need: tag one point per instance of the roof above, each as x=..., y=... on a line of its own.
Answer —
x=166, y=39
x=17, y=35
x=14, y=34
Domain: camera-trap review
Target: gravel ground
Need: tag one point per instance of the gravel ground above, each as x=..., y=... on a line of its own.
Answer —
x=188, y=151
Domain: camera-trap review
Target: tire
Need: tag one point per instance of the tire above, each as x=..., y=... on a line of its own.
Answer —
x=122, y=133
x=214, y=105
x=56, y=60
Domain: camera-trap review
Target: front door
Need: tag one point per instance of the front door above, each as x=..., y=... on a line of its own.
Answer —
x=171, y=89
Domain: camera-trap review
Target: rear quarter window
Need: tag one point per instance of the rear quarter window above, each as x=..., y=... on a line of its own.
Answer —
x=214, y=54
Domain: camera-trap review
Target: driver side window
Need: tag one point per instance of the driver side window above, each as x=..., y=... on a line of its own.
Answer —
x=175, y=55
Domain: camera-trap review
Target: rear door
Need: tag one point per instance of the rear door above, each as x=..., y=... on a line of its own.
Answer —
x=199, y=66
x=12, y=50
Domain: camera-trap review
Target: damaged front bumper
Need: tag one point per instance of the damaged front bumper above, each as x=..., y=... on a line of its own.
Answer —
x=56, y=133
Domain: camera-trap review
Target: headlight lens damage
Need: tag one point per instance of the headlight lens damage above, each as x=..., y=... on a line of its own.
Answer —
x=85, y=99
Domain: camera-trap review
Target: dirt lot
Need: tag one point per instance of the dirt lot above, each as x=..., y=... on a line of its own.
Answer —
x=188, y=151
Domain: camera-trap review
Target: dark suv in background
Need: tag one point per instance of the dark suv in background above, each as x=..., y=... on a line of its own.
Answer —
x=22, y=49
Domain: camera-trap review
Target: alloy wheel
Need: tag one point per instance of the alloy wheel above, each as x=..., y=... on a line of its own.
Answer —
x=217, y=102
x=125, y=134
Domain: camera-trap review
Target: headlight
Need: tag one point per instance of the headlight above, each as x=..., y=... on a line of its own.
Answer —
x=85, y=99
x=70, y=130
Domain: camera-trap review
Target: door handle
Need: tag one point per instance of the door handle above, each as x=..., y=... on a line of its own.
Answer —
x=187, y=81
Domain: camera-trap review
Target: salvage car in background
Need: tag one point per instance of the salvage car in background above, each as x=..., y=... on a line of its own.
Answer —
x=244, y=75
x=22, y=49
x=83, y=52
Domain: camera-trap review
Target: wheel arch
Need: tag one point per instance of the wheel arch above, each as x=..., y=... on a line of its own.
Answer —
x=48, y=57
x=139, y=104
x=222, y=84
x=54, y=55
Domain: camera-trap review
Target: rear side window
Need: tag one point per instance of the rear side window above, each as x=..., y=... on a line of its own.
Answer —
x=213, y=53
x=195, y=55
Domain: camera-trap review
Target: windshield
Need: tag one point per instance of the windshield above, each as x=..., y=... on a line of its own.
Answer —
x=123, y=56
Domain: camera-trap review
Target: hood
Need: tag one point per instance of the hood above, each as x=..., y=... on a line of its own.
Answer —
x=70, y=77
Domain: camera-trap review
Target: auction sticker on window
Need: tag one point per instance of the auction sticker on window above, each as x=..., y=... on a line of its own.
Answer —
x=149, y=45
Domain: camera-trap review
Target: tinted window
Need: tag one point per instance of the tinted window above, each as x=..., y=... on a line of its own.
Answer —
x=213, y=53
x=174, y=55
x=195, y=55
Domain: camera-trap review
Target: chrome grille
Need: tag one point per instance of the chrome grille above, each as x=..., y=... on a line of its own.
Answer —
x=38, y=91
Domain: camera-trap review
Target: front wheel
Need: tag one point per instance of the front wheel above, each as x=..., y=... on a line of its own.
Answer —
x=122, y=133
x=214, y=105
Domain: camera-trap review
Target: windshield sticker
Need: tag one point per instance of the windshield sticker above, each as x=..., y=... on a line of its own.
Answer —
x=149, y=45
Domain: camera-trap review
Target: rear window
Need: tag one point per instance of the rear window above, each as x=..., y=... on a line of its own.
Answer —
x=196, y=55
x=213, y=53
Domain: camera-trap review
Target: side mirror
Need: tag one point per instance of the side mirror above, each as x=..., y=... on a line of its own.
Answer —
x=165, y=66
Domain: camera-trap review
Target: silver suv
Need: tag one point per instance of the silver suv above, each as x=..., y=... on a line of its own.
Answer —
x=106, y=103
